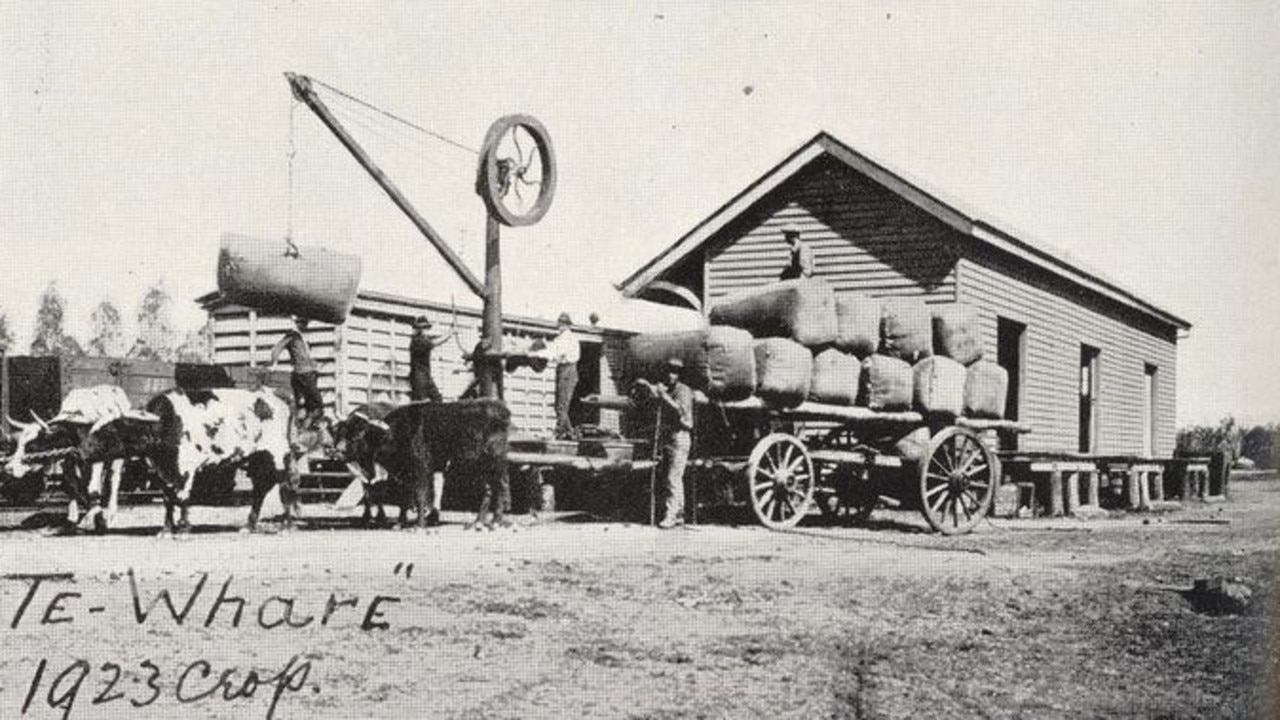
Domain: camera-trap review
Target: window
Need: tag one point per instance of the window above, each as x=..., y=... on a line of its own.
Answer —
x=1149, y=386
x=1088, y=399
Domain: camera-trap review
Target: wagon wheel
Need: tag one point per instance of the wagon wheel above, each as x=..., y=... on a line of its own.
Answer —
x=780, y=480
x=849, y=493
x=957, y=481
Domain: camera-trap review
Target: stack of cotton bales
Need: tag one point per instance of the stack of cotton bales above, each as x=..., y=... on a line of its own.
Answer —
x=796, y=340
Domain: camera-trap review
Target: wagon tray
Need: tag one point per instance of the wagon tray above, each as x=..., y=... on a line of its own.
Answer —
x=577, y=462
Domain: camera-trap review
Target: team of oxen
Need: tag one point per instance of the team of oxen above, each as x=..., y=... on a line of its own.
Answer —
x=399, y=454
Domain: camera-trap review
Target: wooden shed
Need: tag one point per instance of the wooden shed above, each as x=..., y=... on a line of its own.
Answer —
x=367, y=357
x=1092, y=366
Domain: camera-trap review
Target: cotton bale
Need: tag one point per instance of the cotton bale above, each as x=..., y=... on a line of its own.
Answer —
x=986, y=388
x=835, y=377
x=718, y=360
x=857, y=324
x=906, y=329
x=957, y=332
x=315, y=283
x=886, y=383
x=939, y=386
x=784, y=371
x=803, y=310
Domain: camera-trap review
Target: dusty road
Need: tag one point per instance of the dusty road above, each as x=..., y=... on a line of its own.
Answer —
x=1035, y=619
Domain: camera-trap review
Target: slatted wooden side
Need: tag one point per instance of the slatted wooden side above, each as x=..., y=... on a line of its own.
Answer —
x=864, y=239
x=1057, y=322
x=367, y=359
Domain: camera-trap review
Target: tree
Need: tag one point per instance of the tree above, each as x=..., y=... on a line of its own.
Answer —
x=108, y=333
x=6, y=336
x=198, y=346
x=1204, y=439
x=156, y=336
x=1259, y=444
x=49, y=337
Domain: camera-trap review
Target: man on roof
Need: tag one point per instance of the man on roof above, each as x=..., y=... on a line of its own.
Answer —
x=801, y=263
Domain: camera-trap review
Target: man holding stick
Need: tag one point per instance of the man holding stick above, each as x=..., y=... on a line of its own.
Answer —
x=675, y=421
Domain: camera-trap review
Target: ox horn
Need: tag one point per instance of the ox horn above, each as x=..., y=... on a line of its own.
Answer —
x=40, y=421
x=16, y=424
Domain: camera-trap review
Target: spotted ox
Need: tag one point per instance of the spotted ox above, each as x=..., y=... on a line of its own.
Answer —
x=83, y=410
x=367, y=443
x=193, y=430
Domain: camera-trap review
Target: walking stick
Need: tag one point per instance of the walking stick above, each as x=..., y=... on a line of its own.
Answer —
x=653, y=471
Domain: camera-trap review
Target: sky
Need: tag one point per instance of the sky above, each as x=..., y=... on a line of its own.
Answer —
x=1141, y=138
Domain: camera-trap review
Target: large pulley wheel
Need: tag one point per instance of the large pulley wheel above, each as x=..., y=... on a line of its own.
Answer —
x=780, y=480
x=957, y=481
x=517, y=175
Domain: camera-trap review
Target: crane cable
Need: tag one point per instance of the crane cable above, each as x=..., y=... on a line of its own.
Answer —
x=397, y=118
x=292, y=250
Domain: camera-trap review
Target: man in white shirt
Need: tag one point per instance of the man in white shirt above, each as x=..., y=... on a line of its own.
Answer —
x=564, y=350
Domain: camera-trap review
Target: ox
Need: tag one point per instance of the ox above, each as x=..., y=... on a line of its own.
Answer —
x=414, y=444
x=367, y=443
x=187, y=431
x=83, y=411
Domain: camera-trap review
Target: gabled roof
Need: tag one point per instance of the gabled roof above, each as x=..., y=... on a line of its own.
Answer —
x=964, y=222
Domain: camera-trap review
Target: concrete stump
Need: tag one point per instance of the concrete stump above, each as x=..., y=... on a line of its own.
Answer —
x=1073, y=493
x=1055, y=493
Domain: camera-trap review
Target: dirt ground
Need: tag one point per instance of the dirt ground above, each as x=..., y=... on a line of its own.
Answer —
x=573, y=618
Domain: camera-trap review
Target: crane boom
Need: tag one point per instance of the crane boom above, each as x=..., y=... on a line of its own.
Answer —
x=303, y=91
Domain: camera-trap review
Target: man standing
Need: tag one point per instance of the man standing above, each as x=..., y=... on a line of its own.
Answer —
x=801, y=264
x=421, y=385
x=306, y=390
x=675, y=418
x=564, y=350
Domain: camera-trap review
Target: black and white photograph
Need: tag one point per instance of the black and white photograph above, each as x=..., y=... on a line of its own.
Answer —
x=647, y=360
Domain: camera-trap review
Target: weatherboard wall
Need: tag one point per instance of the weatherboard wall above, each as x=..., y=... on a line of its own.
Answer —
x=1058, y=321
x=864, y=238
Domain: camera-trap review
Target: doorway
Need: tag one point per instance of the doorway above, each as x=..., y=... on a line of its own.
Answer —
x=1010, y=348
x=581, y=413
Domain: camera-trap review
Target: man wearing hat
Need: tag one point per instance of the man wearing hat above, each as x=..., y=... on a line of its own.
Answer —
x=801, y=265
x=421, y=385
x=676, y=425
x=304, y=376
x=565, y=351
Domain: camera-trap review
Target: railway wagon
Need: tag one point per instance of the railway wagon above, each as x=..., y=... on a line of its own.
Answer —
x=34, y=387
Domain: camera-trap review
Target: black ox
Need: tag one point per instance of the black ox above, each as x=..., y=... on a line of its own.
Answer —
x=415, y=442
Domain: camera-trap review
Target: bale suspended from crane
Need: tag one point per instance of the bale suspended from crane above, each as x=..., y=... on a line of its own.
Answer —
x=280, y=278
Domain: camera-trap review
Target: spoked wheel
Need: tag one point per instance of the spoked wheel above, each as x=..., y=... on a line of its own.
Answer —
x=957, y=481
x=846, y=492
x=517, y=174
x=780, y=480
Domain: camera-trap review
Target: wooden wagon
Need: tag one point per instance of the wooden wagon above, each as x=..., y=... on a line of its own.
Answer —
x=783, y=461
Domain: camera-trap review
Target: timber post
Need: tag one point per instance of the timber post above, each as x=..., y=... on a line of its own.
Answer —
x=488, y=366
